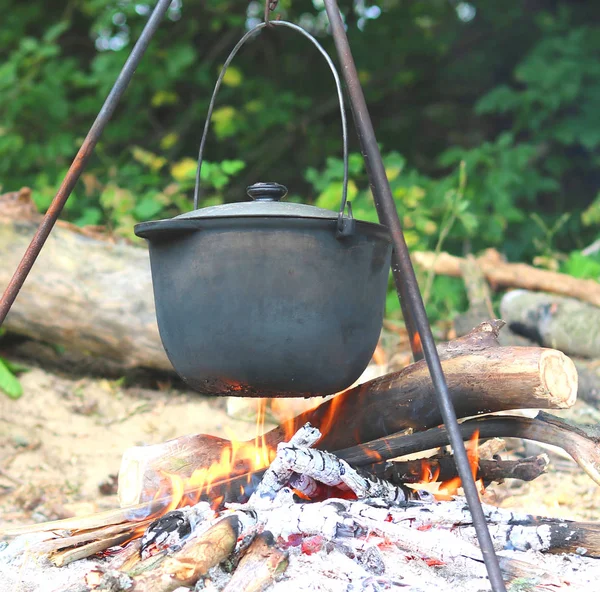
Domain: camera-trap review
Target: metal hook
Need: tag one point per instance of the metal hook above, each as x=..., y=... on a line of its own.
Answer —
x=270, y=6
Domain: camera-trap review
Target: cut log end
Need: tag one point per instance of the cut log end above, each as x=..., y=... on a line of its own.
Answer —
x=558, y=379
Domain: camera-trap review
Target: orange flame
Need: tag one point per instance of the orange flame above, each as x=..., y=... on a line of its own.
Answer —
x=330, y=415
x=240, y=458
x=237, y=457
x=447, y=489
x=417, y=346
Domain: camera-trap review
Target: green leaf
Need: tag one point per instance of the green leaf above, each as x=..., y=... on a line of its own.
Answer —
x=9, y=382
x=231, y=167
x=90, y=217
x=16, y=367
x=55, y=31
x=580, y=266
x=147, y=208
x=591, y=216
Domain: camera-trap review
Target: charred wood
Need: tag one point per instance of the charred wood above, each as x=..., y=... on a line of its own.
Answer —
x=444, y=469
x=482, y=378
x=185, y=566
x=260, y=565
x=583, y=446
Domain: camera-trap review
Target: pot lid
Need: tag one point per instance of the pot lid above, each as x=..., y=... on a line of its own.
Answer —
x=265, y=203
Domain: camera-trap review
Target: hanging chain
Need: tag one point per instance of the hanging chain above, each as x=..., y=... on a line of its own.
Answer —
x=270, y=6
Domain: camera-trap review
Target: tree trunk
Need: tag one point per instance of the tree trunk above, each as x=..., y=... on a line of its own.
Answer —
x=87, y=294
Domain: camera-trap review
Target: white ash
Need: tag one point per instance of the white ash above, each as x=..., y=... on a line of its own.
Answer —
x=298, y=463
x=278, y=473
x=356, y=546
x=23, y=571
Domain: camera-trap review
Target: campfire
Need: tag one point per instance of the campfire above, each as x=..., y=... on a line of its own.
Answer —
x=323, y=503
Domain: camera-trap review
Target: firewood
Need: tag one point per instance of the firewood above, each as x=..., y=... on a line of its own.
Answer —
x=566, y=324
x=67, y=556
x=100, y=299
x=76, y=538
x=262, y=562
x=512, y=529
x=444, y=468
x=501, y=274
x=482, y=378
x=193, y=560
x=280, y=469
x=583, y=446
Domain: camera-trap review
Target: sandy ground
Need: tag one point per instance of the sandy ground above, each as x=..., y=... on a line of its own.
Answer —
x=65, y=437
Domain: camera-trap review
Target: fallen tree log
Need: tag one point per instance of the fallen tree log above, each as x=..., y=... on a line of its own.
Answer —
x=481, y=376
x=501, y=274
x=97, y=293
x=588, y=389
x=566, y=324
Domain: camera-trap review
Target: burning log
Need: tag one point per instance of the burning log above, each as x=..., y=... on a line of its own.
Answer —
x=443, y=468
x=482, y=377
x=582, y=446
x=338, y=542
x=185, y=567
x=357, y=535
x=501, y=274
x=324, y=467
x=260, y=565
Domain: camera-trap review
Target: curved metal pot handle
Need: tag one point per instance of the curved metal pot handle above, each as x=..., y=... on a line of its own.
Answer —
x=345, y=225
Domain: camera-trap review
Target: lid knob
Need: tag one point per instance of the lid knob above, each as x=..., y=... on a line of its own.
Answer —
x=267, y=191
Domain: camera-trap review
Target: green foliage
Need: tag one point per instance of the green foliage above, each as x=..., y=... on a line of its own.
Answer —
x=430, y=210
x=9, y=383
x=486, y=112
x=582, y=266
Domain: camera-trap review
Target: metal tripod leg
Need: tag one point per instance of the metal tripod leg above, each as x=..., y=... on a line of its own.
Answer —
x=409, y=293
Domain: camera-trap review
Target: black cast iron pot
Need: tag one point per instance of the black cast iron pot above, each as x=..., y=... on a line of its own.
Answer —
x=267, y=298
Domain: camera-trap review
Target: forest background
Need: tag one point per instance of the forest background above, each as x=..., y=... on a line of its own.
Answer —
x=487, y=114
